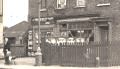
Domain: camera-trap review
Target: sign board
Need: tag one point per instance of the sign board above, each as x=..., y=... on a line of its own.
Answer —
x=73, y=20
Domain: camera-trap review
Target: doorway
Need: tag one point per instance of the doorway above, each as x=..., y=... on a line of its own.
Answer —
x=104, y=33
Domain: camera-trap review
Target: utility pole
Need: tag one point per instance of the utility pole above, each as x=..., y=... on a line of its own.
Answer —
x=38, y=60
x=39, y=35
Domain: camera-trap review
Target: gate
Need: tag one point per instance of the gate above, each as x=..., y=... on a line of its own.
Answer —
x=76, y=54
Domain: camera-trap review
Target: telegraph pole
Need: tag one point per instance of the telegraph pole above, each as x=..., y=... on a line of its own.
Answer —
x=39, y=32
x=38, y=53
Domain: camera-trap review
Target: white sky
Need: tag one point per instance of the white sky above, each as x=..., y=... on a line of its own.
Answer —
x=14, y=11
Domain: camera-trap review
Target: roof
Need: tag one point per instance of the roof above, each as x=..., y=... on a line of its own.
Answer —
x=16, y=30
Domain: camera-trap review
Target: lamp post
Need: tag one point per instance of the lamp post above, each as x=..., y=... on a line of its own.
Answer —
x=38, y=54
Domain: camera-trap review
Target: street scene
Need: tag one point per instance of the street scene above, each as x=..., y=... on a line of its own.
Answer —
x=74, y=34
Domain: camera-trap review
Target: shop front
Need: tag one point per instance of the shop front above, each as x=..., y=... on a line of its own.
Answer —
x=81, y=30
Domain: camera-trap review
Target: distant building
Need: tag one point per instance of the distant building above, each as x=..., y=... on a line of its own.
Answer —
x=93, y=20
x=18, y=38
x=17, y=33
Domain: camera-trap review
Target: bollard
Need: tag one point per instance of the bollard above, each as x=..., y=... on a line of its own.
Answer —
x=38, y=58
x=97, y=61
x=8, y=57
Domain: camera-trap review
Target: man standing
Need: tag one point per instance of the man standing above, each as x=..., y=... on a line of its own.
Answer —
x=6, y=50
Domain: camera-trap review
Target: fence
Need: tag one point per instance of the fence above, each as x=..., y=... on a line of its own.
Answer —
x=18, y=50
x=95, y=54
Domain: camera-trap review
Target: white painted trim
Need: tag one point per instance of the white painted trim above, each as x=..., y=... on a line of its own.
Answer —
x=104, y=4
x=74, y=19
x=43, y=9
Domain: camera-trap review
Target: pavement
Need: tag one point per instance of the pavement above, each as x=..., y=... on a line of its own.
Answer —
x=28, y=63
x=22, y=61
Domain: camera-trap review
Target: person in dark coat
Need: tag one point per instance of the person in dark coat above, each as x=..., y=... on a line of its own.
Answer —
x=6, y=50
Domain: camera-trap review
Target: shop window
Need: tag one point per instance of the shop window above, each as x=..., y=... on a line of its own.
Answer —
x=87, y=35
x=80, y=3
x=72, y=33
x=73, y=26
x=64, y=25
x=61, y=4
x=103, y=2
x=64, y=34
x=49, y=34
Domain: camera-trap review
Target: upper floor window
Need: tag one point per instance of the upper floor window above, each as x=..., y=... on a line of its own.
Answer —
x=103, y=2
x=61, y=4
x=80, y=3
x=43, y=5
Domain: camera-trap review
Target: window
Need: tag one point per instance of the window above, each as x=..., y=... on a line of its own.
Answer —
x=61, y=4
x=103, y=2
x=64, y=34
x=43, y=5
x=80, y=3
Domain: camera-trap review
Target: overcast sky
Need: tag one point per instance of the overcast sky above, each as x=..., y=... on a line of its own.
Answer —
x=15, y=11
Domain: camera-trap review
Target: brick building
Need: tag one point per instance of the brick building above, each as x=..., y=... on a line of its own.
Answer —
x=17, y=37
x=87, y=20
x=93, y=20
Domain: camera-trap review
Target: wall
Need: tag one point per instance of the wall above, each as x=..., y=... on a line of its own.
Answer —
x=1, y=22
x=112, y=11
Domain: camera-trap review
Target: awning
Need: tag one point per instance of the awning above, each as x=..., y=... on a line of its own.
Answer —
x=96, y=19
x=73, y=20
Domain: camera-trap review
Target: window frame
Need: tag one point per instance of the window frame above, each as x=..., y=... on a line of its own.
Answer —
x=82, y=5
x=45, y=5
x=58, y=2
x=103, y=3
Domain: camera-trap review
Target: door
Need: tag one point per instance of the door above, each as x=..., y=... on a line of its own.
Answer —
x=104, y=33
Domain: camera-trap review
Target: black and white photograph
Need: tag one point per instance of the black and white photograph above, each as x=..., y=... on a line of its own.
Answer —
x=63, y=34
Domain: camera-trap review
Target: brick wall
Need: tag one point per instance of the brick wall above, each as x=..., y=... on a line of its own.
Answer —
x=112, y=11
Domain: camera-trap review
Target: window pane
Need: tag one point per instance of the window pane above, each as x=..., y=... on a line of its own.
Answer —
x=61, y=3
x=80, y=3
